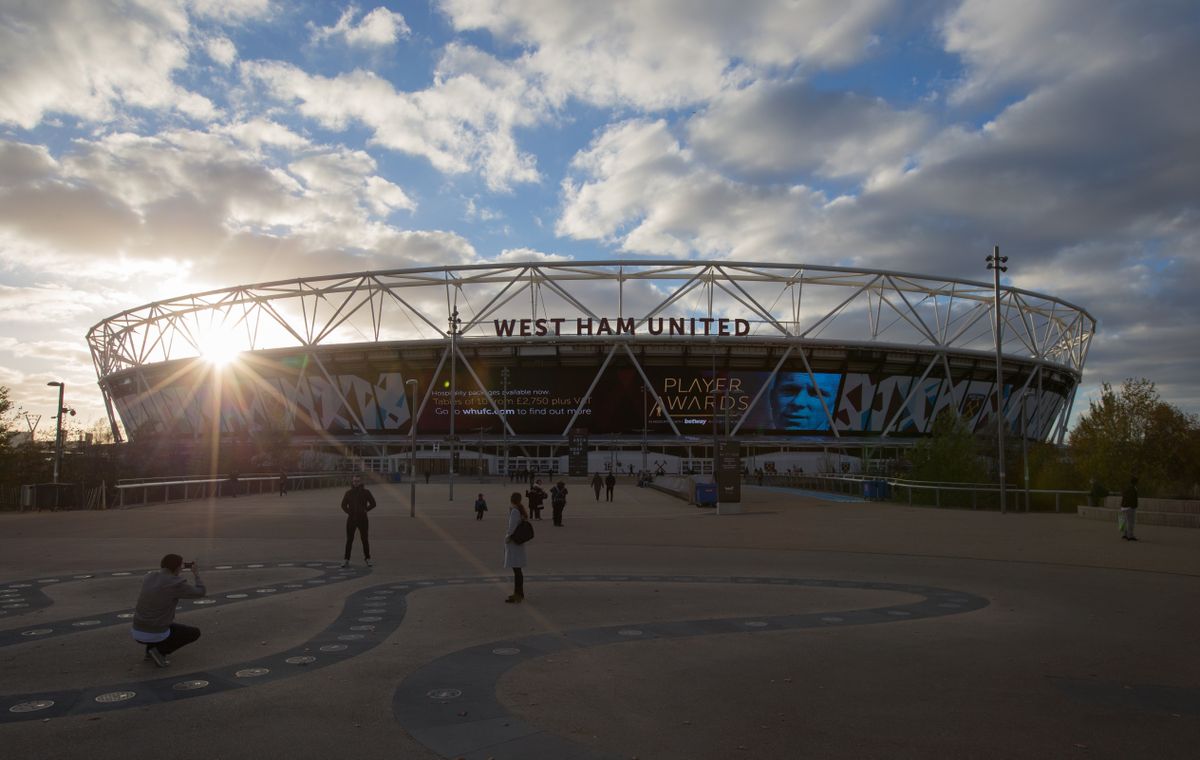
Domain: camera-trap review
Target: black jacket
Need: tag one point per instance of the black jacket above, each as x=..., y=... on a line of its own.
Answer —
x=536, y=497
x=357, y=502
x=558, y=496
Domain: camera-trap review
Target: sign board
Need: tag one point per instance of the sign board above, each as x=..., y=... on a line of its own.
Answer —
x=577, y=452
x=729, y=472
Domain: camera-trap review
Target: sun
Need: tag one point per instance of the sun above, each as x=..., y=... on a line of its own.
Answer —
x=218, y=347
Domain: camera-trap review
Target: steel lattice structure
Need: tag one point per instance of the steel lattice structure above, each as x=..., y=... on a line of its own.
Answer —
x=792, y=315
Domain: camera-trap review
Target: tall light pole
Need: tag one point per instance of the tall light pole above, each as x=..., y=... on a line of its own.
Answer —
x=645, y=421
x=996, y=265
x=504, y=418
x=454, y=320
x=58, y=427
x=1025, y=444
x=412, y=449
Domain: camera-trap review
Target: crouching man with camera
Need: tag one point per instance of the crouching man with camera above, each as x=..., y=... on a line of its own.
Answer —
x=154, y=618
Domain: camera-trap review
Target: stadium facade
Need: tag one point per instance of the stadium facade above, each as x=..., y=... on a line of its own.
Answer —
x=532, y=357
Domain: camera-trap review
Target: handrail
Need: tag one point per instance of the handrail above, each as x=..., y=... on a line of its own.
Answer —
x=183, y=489
x=1020, y=494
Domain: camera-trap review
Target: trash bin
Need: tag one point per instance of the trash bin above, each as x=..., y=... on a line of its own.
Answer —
x=706, y=494
x=883, y=490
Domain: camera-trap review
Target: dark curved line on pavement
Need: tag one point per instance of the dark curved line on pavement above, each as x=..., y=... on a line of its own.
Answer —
x=27, y=596
x=372, y=614
x=450, y=705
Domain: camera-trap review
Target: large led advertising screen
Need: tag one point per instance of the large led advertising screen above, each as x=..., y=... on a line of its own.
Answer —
x=309, y=399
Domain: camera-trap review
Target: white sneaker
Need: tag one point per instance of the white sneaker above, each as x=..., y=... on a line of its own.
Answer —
x=369, y=563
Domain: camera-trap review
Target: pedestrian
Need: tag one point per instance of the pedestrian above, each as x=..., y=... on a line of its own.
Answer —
x=597, y=484
x=356, y=503
x=480, y=507
x=514, y=554
x=426, y=477
x=233, y=484
x=154, y=615
x=610, y=482
x=558, y=502
x=283, y=483
x=1129, y=505
x=536, y=497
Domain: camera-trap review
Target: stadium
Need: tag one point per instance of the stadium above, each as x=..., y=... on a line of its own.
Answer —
x=564, y=364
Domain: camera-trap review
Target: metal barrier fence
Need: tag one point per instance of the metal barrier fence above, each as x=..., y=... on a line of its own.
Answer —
x=159, y=490
x=978, y=495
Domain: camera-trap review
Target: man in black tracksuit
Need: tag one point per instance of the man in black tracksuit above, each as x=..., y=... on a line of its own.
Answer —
x=558, y=501
x=357, y=502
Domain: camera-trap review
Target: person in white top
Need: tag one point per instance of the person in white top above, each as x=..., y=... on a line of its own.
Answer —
x=514, y=554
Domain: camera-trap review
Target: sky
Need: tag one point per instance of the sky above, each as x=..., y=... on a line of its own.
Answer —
x=153, y=148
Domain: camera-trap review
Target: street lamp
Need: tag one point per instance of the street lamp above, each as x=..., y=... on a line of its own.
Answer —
x=996, y=265
x=454, y=322
x=58, y=426
x=412, y=450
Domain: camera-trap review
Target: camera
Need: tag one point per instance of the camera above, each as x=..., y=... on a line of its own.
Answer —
x=189, y=565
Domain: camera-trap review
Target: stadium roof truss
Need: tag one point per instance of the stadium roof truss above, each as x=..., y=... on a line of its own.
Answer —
x=798, y=307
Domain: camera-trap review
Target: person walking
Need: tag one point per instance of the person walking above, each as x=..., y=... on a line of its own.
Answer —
x=480, y=507
x=558, y=502
x=610, y=483
x=154, y=615
x=357, y=502
x=537, y=496
x=514, y=554
x=597, y=484
x=1129, y=505
x=283, y=483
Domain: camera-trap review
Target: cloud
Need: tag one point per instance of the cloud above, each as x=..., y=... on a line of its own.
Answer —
x=521, y=255
x=378, y=28
x=259, y=133
x=222, y=50
x=230, y=11
x=204, y=201
x=47, y=303
x=637, y=186
x=770, y=129
x=464, y=122
x=92, y=60
x=673, y=53
x=1056, y=41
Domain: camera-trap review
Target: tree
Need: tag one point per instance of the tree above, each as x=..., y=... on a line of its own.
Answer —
x=6, y=422
x=948, y=455
x=1134, y=432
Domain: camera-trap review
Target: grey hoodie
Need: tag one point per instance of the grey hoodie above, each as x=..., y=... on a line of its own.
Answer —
x=155, y=609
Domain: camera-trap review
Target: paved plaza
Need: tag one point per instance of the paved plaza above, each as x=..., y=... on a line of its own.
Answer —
x=802, y=628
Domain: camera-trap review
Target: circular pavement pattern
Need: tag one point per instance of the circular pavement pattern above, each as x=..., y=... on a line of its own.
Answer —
x=451, y=702
x=35, y=599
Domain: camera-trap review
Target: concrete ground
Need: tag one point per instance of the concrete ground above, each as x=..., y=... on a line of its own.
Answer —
x=652, y=629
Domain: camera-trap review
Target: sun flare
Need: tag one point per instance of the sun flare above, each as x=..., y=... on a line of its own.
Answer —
x=218, y=347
